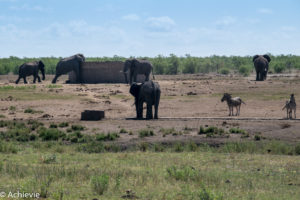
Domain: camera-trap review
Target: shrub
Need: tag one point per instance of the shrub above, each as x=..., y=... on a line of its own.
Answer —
x=297, y=149
x=237, y=130
x=224, y=71
x=93, y=147
x=77, y=127
x=12, y=108
x=8, y=147
x=32, y=111
x=244, y=70
x=107, y=137
x=2, y=116
x=49, y=159
x=63, y=124
x=279, y=68
x=50, y=134
x=52, y=125
x=123, y=130
x=100, y=183
x=145, y=133
x=212, y=131
x=205, y=194
x=34, y=124
x=184, y=173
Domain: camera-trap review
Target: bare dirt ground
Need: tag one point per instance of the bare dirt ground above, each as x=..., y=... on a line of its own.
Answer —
x=187, y=102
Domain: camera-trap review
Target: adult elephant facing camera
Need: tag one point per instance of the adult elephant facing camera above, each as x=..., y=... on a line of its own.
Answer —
x=66, y=65
x=31, y=68
x=261, y=64
x=136, y=67
x=148, y=92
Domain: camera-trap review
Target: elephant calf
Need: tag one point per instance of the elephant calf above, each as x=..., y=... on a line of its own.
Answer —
x=31, y=68
x=148, y=92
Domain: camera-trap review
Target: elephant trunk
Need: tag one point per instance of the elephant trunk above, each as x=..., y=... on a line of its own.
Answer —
x=43, y=74
x=125, y=75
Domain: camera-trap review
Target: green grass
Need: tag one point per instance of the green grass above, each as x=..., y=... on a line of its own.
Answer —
x=32, y=111
x=145, y=133
x=54, y=86
x=149, y=175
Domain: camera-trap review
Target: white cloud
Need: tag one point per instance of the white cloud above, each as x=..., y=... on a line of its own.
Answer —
x=265, y=11
x=131, y=17
x=225, y=21
x=26, y=7
x=160, y=24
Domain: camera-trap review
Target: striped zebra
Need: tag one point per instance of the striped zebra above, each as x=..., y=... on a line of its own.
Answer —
x=290, y=106
x=233, y=102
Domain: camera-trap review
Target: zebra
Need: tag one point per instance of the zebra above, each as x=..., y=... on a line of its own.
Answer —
x=233, y=102
x=290, y=105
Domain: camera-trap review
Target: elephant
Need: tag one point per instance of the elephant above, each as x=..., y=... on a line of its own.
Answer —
x=148, y=92
x=137, y=67
x=31, y=68
x=68, y=64
x=261, y=64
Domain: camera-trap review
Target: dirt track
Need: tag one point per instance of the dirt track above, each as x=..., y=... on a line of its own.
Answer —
x=187, y=102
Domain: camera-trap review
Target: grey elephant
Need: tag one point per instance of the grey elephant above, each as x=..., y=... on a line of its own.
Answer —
x=68, y=64
x=136, y=67
x=148, y=92
x=31, y=68
x=261, y=64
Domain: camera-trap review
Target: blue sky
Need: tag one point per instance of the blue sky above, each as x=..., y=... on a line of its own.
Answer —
x=36, y=28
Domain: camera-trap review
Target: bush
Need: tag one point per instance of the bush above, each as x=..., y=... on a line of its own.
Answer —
x=63, y=124
x=77, y=127
x=224, y=71
x=107, y=137
x=50, y=134
x=279, y=68
x=184, y=173
x=145, y=133
x=123, y=130
x=93, y=147
x=32, y=111
x=244, y=70
x=100, y=183
x=297, y=149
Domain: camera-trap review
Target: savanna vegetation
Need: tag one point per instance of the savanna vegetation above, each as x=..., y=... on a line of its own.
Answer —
x=173, y=64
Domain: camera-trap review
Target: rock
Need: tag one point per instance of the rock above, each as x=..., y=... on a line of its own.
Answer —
x=92, y=115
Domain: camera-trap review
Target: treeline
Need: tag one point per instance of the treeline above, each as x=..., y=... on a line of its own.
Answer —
x=173, y=64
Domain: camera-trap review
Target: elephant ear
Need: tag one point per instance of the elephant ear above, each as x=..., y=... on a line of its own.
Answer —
x=267, y=57
x=254, y=57
x=135, y=89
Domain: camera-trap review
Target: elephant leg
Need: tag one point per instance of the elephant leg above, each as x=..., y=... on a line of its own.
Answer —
x=130, y=79
x=17, y=81
x=295, y=113
x=257, y=76
x=24, y=78
x=55, y=78
x=149, y=111
x=140, y=110
x=38, y=77
x=34, y=78
x=134, y=78
x=156, y=105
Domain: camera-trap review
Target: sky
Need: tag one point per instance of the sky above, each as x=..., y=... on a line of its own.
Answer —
x=98, y=28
